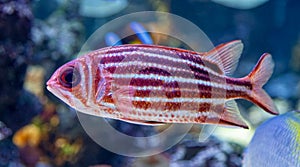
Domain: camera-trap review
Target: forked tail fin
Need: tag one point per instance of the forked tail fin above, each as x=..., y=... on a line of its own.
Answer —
x=258, y=77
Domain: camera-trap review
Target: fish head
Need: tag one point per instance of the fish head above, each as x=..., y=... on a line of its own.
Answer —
x=68, y=83
x=82, y=84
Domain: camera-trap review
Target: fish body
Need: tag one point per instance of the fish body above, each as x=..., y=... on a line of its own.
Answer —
x=152, y=85
x=276, y=142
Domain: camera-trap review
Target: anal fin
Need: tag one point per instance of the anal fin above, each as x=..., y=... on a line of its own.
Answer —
x=231, y=115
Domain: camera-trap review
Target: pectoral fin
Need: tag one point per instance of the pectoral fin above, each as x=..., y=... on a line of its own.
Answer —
x=123, y=98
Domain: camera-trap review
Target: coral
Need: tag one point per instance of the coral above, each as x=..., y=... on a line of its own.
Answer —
x=15, y=20
x=25, y=108
x=4, y=131
x=8, y=152
x=29, y=135
x=30, y=156
x=59, y=37
x=15, y=52
x=210, y=153
x=34, y=80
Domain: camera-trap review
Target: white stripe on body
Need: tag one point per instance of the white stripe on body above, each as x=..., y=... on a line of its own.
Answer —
x=181, y=80
x=146, y=64
x=177, y=100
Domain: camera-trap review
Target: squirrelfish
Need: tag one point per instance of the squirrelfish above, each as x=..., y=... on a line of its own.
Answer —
x=276, y=142
x=153, y=85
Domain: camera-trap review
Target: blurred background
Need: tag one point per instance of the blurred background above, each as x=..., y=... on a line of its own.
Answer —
x=38, y=36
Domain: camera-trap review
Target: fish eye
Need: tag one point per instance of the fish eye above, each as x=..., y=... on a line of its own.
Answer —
x=70, y=77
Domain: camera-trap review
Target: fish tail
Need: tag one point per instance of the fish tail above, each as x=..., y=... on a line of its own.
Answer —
x=258, y=77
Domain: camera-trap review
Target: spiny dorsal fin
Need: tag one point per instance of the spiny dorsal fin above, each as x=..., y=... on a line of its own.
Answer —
x=226, y=56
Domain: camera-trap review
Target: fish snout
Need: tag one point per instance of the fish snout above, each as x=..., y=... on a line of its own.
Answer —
x=52, y=82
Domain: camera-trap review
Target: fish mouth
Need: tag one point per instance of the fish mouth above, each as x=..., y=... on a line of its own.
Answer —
x=53, y=89
x=50, y=86
x=49, y=89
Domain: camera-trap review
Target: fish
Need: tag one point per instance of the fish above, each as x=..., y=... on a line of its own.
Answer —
x=242, y=5
x=276, y=142
x=141, y=32
x=112, y=39
x=157, y=85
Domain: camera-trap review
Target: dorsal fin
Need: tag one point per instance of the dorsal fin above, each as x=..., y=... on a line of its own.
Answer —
x=226, y=56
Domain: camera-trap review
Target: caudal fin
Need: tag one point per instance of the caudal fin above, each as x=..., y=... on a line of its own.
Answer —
x=258, y=77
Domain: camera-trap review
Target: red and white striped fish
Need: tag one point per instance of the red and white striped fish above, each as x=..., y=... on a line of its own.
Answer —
x=152, y=85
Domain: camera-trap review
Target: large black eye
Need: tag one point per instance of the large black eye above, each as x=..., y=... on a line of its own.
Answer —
x=70, y=77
